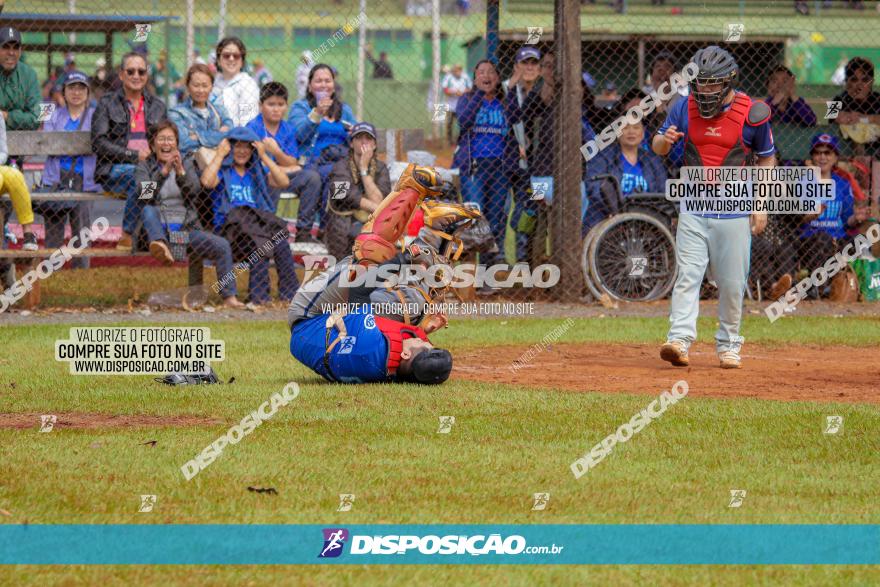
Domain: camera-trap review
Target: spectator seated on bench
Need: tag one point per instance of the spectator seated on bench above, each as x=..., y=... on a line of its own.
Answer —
x=175, y=205
x=68, y=174
x=12, y=183
x=279, y=137
x=244, y=212
x=119, y=137
x=201, y=119
x=368, y=183
x=820, y=236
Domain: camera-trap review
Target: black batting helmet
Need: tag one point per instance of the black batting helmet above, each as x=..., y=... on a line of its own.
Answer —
x=716, y=66
x=431, y=367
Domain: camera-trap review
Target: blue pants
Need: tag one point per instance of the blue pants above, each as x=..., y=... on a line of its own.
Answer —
x=307, y=183
x=121, y=179
x=488, y=186
x=258, y=278
x=202, y=245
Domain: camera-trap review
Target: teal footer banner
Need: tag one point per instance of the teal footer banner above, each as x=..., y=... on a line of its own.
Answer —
x=146, y=544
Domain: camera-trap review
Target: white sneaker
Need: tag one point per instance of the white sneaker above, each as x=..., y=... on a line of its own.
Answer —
x=675, y=352
x=730, y=360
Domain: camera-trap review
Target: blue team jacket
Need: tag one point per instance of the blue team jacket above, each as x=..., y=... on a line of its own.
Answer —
x=360, y=357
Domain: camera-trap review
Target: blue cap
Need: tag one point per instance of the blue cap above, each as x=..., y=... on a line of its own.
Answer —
x=527, y=53
x=242, y=133
x=362, y=127
x=825, y=139
x=76, y=77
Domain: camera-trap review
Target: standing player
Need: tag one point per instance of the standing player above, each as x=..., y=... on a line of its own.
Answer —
x=721, y=127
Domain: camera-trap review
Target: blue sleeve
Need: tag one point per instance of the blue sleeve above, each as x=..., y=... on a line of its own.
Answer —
x=258, y=128
x=759, y=139
x=677, y=117
x=218, y=196
x=587, y=132
x=804, y=113
x=186, y=144
x=468, y=106
x=596, y=166
x=288, y=142
x=299, y=118
x=846, y=203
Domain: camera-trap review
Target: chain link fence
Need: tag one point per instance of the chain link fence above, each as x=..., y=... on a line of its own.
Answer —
x=291, y=81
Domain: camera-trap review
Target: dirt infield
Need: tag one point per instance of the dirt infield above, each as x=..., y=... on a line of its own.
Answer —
x=805, y=373
x=79, y=420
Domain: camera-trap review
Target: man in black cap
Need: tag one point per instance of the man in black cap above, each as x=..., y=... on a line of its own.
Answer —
x=19, y=89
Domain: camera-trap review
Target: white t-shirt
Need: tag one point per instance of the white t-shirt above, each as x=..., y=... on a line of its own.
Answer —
x=460, y=84
x=302, y=79
x=240, y=96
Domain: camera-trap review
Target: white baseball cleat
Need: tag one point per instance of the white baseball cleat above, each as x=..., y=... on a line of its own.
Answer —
x=730, y=360
x=675, y=352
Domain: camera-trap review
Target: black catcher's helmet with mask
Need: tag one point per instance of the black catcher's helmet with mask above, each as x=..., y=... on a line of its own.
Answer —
x=716, y=66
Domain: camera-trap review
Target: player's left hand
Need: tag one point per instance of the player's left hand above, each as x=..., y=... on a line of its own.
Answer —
x=758, y=221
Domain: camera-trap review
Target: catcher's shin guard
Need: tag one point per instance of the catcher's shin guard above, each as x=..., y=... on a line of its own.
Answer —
x=376, y=242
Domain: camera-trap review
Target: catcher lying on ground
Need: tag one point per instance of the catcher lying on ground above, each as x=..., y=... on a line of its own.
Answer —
x=377, y=334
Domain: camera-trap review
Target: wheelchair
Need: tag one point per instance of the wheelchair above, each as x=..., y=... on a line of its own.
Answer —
x=630, y=255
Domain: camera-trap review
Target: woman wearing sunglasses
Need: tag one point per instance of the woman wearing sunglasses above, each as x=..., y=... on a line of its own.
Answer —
x=235, y=89
x=119, y=137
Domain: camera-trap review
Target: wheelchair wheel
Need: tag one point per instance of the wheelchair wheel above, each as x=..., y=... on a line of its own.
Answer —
x=585, y=262
x=632, y=257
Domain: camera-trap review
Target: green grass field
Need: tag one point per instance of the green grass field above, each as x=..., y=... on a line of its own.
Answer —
x=380, y=442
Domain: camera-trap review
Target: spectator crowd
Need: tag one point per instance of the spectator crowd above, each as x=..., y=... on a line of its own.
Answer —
x=203, y=172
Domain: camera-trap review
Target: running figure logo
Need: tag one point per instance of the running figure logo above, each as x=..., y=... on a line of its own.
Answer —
x=535, y=33
x=446, y=423
x=46, y=111
x=340, y=189
x=833, y=424
x=147, y=503
x=148, y=190
x=734, y=32
x=539, y=190
x=346, y=500
x=246, y=110
x=736, y=498
x=140, y=32
x=639, y=264
x=440, y=111
x=334, y=540
x=541, y=501
x=833, y=109
x=47, y=423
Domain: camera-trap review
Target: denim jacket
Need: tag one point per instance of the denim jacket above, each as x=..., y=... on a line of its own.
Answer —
x=206, y=128
x=52, y=169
